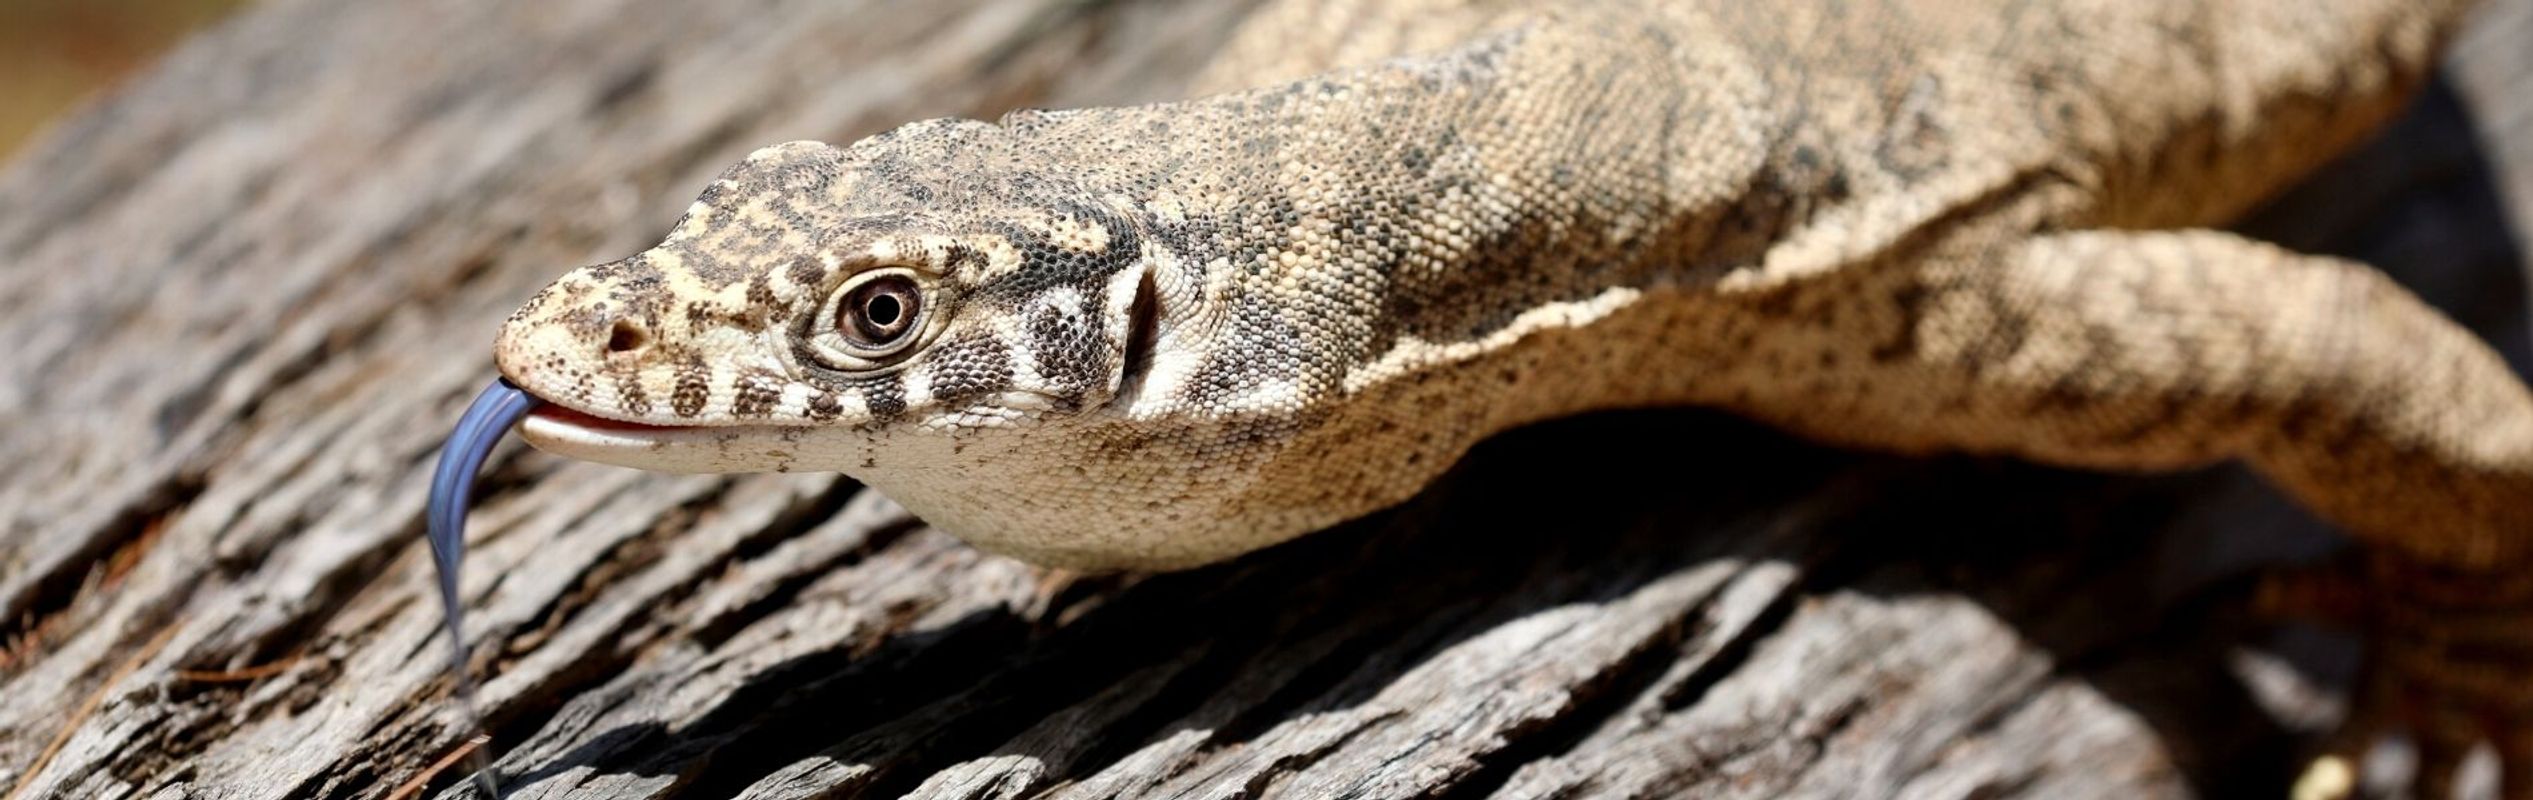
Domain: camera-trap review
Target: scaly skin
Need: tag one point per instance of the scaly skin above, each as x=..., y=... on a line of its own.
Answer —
x=1160, y=336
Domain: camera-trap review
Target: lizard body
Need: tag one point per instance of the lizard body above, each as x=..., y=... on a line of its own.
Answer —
x=1164, y=335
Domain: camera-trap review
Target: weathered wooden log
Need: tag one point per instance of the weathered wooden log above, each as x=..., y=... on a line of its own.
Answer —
x=244, y=296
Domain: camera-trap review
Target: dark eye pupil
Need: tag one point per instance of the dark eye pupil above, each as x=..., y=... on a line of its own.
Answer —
x=880, y=312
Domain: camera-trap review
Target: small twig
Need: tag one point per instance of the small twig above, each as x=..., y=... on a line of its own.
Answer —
x=257, y=672
x=413, y=787
x=89, y=706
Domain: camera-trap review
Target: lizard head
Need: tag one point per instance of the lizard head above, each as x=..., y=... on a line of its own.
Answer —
x=1036, y=366
x=839, y=309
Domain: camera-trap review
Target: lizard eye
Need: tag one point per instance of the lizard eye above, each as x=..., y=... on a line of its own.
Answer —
x=871, y=322
x=879, y=315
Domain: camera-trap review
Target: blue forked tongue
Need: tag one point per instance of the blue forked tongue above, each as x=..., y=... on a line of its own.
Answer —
x=452, y=483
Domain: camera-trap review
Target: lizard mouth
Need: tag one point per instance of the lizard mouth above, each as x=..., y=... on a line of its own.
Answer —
x=557, y=428
x=579, y=434
x=673, y=448
x=554, y=414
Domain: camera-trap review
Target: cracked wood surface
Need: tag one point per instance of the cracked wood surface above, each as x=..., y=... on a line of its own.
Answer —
x=247, y=294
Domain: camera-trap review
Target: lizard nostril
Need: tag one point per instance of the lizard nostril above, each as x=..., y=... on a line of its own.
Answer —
x=626, y=336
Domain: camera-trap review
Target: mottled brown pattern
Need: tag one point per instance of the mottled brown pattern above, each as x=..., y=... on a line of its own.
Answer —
x=1906, y=224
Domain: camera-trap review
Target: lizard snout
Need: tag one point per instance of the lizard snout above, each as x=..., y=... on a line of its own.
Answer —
x=570, y=334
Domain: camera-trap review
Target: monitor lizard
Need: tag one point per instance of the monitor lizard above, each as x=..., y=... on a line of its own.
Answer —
x=1158, y=336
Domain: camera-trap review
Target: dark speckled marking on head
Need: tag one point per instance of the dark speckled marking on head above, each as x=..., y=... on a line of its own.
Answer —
x=706, y=265
x=969, y=367
x=806, y=273
x=824, y=406
x=630, y=393
x=753, y=394
x=693, y=388
x=1068, y=349
x=761, y=295
x=885, y=396
x=1044, y=265
x=963, y=259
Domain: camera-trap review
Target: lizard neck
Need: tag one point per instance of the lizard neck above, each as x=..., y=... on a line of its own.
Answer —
x=1338, y=263
x=1378, y=223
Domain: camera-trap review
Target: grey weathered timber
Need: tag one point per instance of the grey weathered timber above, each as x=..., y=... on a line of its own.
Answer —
x=245, y=295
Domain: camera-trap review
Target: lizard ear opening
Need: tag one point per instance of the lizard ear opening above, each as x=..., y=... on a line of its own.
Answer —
x=1143, y=329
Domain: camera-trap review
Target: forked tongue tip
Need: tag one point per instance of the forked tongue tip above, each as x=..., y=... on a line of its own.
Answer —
x=493, y=414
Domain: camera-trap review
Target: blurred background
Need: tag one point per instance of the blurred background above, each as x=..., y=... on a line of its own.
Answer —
x=58, y=52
